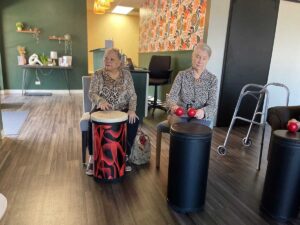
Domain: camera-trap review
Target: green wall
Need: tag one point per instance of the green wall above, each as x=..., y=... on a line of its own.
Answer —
x=181, y=60
x=55, y=17
x=1, y=74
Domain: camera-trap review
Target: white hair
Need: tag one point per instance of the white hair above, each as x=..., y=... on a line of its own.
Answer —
x=203, y=47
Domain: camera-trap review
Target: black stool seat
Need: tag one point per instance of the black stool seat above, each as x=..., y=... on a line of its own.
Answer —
x=191, y=130
x=153, y=81
x=188, y=166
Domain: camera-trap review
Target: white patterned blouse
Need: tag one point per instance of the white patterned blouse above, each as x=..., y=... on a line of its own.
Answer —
x=120, y=93
x=200, y=93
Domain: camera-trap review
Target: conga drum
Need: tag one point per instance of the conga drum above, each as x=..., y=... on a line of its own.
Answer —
x=109, y=144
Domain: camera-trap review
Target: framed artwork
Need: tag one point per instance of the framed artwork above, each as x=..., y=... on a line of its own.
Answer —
x=171, y=25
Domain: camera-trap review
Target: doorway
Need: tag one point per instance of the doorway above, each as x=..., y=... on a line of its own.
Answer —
x=248, y=51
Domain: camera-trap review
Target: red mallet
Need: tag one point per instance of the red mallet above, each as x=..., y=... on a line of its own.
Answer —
x=292, y=127
x=179, y=111
x=192, y=112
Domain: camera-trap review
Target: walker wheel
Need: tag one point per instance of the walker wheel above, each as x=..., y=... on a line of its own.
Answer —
x=222, y=150
x=247, y=142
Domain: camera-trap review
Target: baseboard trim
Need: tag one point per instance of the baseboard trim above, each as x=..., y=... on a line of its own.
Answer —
x=18, y=91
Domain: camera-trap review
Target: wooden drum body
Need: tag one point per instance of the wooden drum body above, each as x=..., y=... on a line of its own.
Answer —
x=109, y=144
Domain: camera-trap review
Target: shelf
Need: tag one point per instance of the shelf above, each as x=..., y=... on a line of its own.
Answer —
x=29, y=31
x=57, y=38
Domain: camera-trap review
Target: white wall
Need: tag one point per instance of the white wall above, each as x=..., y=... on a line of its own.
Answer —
x=285, y=62
x=217, y=29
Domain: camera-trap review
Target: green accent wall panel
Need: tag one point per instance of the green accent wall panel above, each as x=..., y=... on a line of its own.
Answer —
x=98, y=55
x=53, y=17
x=181, y=60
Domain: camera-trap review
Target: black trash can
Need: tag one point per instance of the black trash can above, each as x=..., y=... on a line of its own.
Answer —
x=281, y=193
x=188, y=166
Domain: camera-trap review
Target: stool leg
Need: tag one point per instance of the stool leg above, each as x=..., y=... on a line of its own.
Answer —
x=158, y=148
x=84, y=145
x=155, y=99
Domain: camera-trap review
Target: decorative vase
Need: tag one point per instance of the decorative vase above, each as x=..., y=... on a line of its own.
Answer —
x=21, y=60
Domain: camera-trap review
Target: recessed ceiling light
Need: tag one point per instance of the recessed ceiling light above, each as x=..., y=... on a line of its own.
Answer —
x=122, y=9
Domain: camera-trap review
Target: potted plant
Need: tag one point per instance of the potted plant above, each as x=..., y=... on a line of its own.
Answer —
x=19, y=26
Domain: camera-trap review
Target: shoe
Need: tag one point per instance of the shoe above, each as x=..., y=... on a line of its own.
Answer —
x=89, y=169
x=128, y=167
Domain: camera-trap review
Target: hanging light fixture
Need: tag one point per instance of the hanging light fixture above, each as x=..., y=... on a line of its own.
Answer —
x=104, y=3
x=98, y=8
x=101, y=5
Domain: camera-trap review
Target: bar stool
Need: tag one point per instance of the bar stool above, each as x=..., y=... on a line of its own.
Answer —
x=162, y=127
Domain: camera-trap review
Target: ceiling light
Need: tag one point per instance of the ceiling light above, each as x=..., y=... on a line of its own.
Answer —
x=122, y=9
x=98, y=9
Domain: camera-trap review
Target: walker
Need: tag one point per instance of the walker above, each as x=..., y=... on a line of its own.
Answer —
x=259, y=92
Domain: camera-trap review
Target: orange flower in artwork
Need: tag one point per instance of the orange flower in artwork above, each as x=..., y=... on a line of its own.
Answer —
x=183, y=46
x=196, y=4
x=171, y=45
x=202, y=21
x=162, y=47
x=203, y=7
x=185, y=27
x=177, y=42
x=193, y=39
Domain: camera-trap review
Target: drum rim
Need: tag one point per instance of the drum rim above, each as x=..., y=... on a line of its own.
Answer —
x=123, y=117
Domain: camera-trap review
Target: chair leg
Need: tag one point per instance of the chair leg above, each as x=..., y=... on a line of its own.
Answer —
x=155, y=99
x=158, y=148
x=84, y=136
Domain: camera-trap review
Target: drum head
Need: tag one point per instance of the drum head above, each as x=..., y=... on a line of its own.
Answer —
x=109, y=116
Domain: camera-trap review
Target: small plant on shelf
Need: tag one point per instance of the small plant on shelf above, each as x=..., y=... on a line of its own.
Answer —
x=19, y=26
x=44, y=59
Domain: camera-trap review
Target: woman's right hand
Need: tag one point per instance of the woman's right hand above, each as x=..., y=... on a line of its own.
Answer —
x=294, y=121
x=105, y=106
x=173, y=108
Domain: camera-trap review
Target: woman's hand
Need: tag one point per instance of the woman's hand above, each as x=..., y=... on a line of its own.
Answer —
x=173, y=108
x=132, y=116
x=294, y=121
x=105, y=106
x=200, y=114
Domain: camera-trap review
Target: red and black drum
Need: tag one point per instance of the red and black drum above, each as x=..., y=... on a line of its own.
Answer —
x=109, y=142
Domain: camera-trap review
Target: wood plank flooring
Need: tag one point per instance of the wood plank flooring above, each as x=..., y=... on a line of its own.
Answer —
x=43, y=179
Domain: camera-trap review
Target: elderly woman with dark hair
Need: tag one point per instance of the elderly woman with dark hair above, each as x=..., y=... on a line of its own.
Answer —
x=195, y=87
x=112, y=88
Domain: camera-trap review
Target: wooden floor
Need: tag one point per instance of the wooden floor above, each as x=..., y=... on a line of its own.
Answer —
x=43, y=179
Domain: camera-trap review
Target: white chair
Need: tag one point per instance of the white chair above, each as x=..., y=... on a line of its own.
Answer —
x=84, y=121
x=3, y=205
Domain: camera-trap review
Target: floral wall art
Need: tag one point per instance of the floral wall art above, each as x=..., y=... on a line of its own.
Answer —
x=171, y=25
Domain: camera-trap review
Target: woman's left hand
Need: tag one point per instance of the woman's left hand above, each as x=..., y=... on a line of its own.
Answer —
x=200, y=114
x=132, y=116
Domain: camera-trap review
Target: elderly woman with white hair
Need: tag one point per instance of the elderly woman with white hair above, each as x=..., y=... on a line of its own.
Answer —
x=195, y=87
